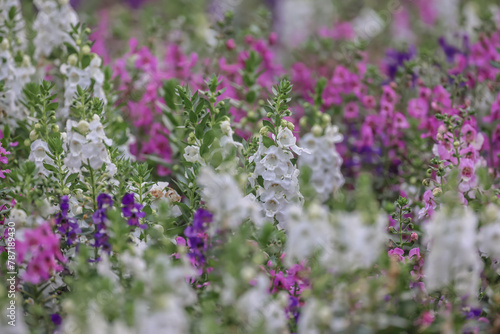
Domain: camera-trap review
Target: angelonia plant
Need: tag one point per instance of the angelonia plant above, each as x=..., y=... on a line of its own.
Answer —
x=197, y=177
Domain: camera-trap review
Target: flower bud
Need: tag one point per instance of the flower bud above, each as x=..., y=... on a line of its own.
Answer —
x=38, y=126
x=413, y=236
x=456, y=143
x=55, y=128
x=284, y=123
x=325, y=315
x=83, y=126
x=290, y=126
x=269, y=115
x=159, y=228
x=65, y=191
x=425, y=182
x=191, y=139
x=264, y=131
x=85, y=49
x=72, y=59
x=436, y=192
x=33, y=135
x=79, y=42
x=317, y=130
x=303, y=122
x=247, y=273
x=26, y=61
x=5, y=44
x=27, y=142
x=326, y=119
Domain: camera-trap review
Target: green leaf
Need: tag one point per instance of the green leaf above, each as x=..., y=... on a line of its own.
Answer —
x=71, y=178
x=51, y=168
x=200, y=128
x=199, y=107
x=268, y=142
x=268, y=124
x=495, y=64
x=169, y=88
x=209, y=137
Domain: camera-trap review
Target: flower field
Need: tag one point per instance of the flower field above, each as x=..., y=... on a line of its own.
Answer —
x=261, y=166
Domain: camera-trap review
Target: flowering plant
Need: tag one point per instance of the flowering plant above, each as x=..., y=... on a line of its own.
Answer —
x=277, y=175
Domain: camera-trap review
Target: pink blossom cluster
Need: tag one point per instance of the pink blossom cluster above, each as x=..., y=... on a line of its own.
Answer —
x=41, y=253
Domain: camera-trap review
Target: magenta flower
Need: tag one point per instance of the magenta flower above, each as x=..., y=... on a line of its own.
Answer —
x=40, y=249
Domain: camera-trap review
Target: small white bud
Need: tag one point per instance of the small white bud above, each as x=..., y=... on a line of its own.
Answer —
x=247, y=273
x=83, y=126
x=33, y=135
x=5, y=44
x=317, y=130
x=73, y=59
x=85, y=49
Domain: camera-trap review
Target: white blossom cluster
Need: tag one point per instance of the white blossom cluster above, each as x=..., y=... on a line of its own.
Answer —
x=52, y=25
x=308, y=230
x=355, y=243
x=323, y=160
x=453, y=256
x=225, y=200
x=38, y=154
x=257, y=307
x=20, y=43
x=86, y=143
x=76, y=76
x=15, y=75
x=280, y=176
x=227, y=141
x=488, y=237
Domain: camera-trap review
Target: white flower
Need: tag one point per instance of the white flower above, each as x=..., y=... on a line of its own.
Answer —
x=453, y=256
x=52, y=25
x=97, y=133
x=224, y=198
x=324, y=162
x=162, y=193
x=18, y=216
x=307, y=232
x=192, y=154
x=38, y=154
x=280, y=176
x=489, y=240
x=354, y=243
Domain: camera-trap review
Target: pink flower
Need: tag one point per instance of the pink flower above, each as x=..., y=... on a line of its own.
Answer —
x=230, y=44
x=471, y=137
x=418, y=108
x=273, y=38
x=41, y=249
x=351, y=110
x=467, y=175
x=413, y=237
x=430, y=205
x=369, y=102
x=397, y=253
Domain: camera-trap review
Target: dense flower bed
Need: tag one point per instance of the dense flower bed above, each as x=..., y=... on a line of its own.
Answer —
x=335, y=182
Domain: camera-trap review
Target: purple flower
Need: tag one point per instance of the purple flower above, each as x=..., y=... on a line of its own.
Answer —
x=56, y=319
x=394, y=59
x=197, y=237
x=65, y=225
x=132, y=211
x=104, y=201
